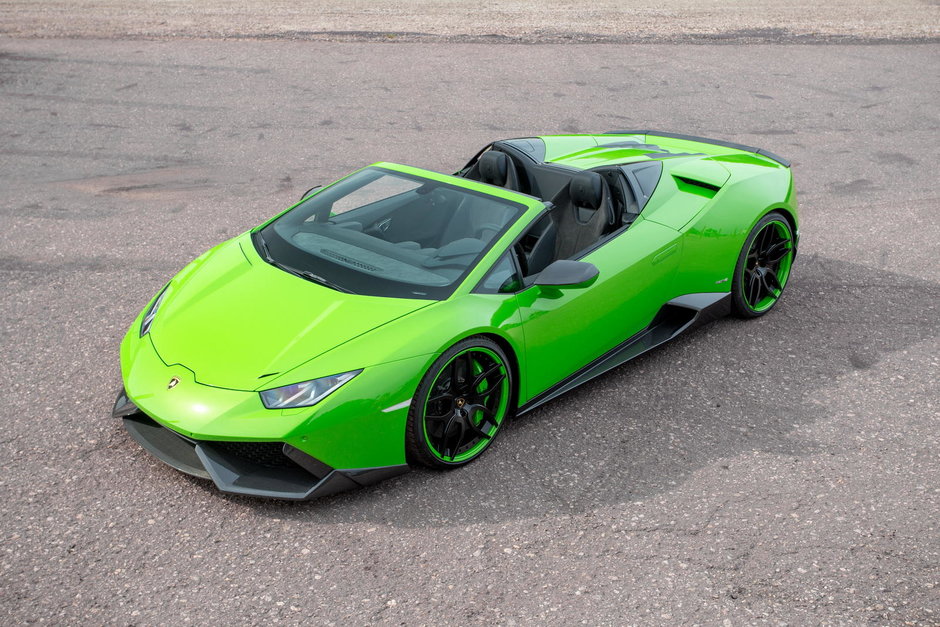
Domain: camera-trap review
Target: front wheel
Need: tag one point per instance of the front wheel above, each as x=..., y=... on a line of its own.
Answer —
x=763, y=266
x=460, y=405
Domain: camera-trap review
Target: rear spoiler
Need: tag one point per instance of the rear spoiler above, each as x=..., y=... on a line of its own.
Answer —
x=705, y=140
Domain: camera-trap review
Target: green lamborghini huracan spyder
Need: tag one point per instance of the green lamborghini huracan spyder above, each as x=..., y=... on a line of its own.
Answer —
x=400, y=316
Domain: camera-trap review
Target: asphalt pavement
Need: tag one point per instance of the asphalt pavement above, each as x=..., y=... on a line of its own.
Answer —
x=783, y=470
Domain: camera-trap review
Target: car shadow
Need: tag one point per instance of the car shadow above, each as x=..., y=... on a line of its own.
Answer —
x=727, y=389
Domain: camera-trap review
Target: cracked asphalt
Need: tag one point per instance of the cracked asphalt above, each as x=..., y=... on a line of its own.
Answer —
x=780, y=471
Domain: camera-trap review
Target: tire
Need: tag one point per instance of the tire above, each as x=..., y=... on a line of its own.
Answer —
x=452, y=421
x=763, y=267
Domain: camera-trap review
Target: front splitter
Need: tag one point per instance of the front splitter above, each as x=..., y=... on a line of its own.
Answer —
x=299, y=477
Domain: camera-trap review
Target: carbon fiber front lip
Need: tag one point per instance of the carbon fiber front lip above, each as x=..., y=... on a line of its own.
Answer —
x=307, y=478
x=168, y=446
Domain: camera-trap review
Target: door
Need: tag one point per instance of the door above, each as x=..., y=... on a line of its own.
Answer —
x=566, y=329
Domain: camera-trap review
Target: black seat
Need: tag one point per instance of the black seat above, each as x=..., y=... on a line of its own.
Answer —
x=625, y=207
x=537, y=246
x=496, y=168
x=583, y=213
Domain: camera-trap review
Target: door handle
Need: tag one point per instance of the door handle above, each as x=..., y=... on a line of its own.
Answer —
x=664, y=254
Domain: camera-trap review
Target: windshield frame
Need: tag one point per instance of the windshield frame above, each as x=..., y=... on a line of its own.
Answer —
x=271, y=245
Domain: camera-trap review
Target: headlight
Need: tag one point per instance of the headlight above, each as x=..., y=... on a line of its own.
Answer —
x=304, y=394
x=151, y=313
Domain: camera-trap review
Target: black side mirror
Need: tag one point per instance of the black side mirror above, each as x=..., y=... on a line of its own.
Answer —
x=307, y=193
x=567, y=273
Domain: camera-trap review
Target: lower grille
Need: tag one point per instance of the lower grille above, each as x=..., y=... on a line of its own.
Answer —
x=267, y=454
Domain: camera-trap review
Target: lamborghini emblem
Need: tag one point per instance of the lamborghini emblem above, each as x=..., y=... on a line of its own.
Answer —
x=173, y=383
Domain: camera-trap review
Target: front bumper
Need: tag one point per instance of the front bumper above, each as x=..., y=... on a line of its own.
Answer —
x=266, y=469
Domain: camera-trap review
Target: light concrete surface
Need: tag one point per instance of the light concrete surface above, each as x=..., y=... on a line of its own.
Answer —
x=777, y=471
x=474, y=20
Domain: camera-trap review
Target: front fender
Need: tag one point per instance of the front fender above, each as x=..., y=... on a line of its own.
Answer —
x=422, y=335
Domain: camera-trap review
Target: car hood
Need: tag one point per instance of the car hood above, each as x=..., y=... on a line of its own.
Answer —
x=238, y=322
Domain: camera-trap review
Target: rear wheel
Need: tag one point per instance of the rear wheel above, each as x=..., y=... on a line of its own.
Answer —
x=460, y=405
x=763, y=266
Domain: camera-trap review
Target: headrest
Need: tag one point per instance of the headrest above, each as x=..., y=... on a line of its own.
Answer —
x=494, y=167
x=586, y=190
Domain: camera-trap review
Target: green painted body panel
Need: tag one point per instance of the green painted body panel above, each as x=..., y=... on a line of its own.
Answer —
x=348, y=431
x=565, y=329
x=300, y=319
x=580, y=150
x=676, y=203
x=709, y=228
x=589, y=151
x=229, y=318
x=707, y=171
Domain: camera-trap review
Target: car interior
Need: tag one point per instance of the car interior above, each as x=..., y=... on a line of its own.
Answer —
x=388, y=225
x=403, y=229
x=586, y=205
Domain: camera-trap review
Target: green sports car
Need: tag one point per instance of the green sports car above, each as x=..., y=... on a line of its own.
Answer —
x=400, y=316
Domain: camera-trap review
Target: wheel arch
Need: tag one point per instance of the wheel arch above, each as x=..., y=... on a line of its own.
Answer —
x=507, y=348
x=484, y=338
x=713, y=240
x=741, y=305
x=790, y=216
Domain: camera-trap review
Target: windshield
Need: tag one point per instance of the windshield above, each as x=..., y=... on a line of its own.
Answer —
x=384, y=233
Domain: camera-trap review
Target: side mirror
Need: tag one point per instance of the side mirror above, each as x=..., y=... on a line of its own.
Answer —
x=567, y=273
x=308, y=192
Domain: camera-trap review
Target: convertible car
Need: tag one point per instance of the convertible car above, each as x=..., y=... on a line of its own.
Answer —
x=400, y=316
